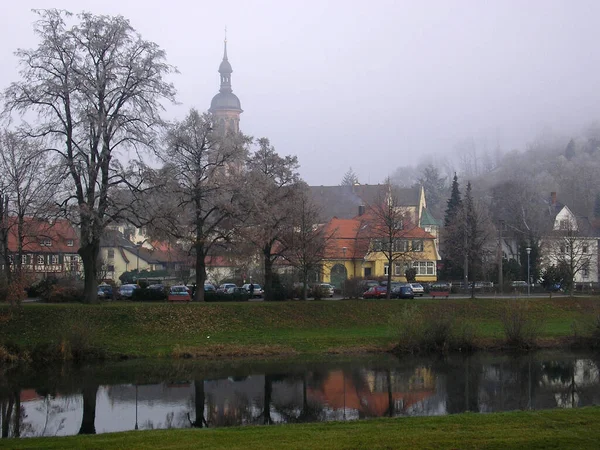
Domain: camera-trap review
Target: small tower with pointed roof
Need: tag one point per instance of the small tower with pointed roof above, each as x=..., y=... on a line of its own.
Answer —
x=225, y=106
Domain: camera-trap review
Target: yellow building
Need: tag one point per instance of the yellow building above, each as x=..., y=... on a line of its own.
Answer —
x=356, y=250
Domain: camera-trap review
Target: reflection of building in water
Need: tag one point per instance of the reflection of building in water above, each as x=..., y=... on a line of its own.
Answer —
x=368, y=391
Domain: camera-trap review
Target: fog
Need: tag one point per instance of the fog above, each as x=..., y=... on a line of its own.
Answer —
x=373, y=85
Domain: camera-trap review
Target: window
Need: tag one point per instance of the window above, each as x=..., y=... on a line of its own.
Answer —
x=585, y=270
x=111, y=253
x=40, y=259
x=377, y=246
x=564, y=224
x=584, y=249
x=398, y=224
x=424, y=267
x=110, y=268
x=430, y=268
x=417, y=246
x=70, y=243
x=54, y=259
x=367, y=272
x=45, y=242
x=400, y=245
x=386, y=269
x=398, y=270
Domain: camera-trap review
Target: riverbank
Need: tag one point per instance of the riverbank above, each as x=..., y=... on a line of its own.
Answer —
x=561, y=428
x=215, y=330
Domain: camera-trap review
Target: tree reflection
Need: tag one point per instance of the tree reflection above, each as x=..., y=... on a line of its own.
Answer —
x=89, y=393
x=199, y=400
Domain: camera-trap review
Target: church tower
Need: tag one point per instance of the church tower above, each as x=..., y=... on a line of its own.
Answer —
x=225, y=106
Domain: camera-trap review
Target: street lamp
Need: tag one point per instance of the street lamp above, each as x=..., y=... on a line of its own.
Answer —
x=528, y=250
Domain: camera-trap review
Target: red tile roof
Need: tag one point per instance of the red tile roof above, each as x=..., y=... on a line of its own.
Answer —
x=356, y=234
x=58, y=232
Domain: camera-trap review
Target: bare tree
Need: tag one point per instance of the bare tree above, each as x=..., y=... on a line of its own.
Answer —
x=96, y=87
x=306, y=239
x=30, y=183
x=389, y=221
x=203, y=180
x=570, y=250
x=275, y=183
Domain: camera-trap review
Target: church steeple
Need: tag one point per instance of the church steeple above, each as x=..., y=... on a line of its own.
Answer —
x=225, y=70
x=225, y=106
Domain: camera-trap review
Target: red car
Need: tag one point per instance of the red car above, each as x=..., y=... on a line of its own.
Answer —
x=376, y=292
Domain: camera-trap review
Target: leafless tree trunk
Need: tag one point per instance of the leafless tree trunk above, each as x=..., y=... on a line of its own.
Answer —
x=96, y=87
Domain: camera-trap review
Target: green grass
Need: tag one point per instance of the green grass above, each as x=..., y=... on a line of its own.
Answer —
x=555, y=429
x=151, y=329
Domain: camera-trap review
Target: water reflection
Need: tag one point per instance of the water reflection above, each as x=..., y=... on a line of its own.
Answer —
x=142, y=395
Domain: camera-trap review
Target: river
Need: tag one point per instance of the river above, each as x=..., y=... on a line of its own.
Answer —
x=153, y=394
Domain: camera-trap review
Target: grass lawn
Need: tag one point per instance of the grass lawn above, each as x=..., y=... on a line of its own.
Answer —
x=236, y=329
x=555, y=429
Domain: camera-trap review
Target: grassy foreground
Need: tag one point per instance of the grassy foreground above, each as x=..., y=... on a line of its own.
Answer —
x=558, y=429
x=262, y=329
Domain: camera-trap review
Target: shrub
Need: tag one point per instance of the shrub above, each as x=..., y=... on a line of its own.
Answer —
x=433, y=332
x=64, y=294
x=520, y=328
x=354, y=287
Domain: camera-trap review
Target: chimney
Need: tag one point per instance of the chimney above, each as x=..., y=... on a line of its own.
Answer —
x=553, y=198
x=361, y=210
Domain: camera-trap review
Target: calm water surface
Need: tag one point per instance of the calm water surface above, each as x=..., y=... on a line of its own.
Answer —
x=144, y=395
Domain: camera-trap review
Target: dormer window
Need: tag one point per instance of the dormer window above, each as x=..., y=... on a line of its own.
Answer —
x=70, y=243
x=565, y=224
x=45, y=242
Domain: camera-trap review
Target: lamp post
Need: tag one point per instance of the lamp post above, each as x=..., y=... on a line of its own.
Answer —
x=136, y=406
x=500, y=256
x=528, y=250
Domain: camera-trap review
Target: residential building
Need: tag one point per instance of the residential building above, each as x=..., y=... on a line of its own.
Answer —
x=572, y=243
x=48, y=247
x=356, y=250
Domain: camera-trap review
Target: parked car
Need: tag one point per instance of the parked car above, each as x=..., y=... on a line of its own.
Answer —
x=417, y=289
x=403, y=291
x=208, y=287
x=327, y=290
x=366, y=284
x=258, y=290
x=226, y=288
x=440, y=289
x=157, y=287
x=179, y=294
x=376, y=292
x=519, y=284
x=105, y=291
x=126, y=290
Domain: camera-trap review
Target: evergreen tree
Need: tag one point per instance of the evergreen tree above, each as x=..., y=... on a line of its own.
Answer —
x=350, y=178
x=454, y=202
x=570, y=150
x=597, y=206
x=434, y=186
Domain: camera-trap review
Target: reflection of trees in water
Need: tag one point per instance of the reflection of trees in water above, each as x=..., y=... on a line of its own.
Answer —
x=235, y=410
x=199, y=401
x=89, y=393
x=570, y=383
x=292, y=411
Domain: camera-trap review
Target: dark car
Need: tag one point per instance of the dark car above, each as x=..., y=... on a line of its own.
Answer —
x=404, y=291
x=105, y=291
x=376, y=292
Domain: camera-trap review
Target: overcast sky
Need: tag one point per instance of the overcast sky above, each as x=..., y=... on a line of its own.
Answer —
x=373, y=85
